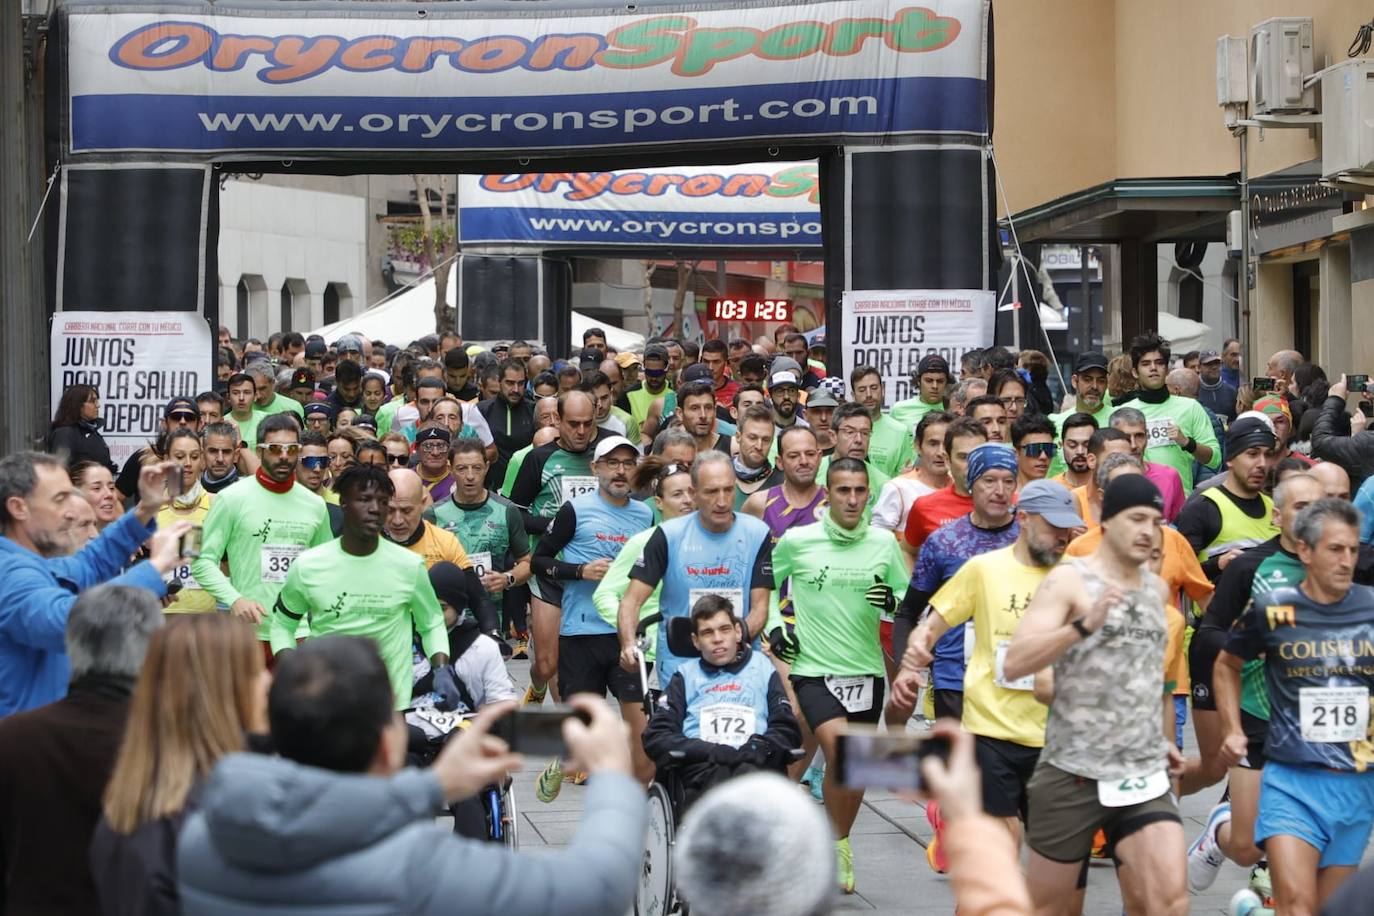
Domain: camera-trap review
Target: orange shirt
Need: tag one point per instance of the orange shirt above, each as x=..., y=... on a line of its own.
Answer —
x=1181, y=568
x=1175, y=654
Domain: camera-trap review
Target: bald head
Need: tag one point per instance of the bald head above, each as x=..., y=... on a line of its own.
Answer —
x=1182, y=383
x=545, y=435
x=407, y=506
x=1333, y=478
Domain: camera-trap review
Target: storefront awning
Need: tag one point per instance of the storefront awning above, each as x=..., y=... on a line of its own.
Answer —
x=1134, y=209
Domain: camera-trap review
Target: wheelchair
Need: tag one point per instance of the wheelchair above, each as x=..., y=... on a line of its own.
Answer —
x=656, y=895
x=430, y=729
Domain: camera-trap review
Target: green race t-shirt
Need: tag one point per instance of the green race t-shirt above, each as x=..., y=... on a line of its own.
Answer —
x=876, y=478
x=513, y=469
x=1280, y=569
x=837, y=628
x=280, y=404
x=493, y=527
x=891, y=447
x=262, y=533
x=909, y=412
x=386, y=415
x=1191, y=420
x=384, y=596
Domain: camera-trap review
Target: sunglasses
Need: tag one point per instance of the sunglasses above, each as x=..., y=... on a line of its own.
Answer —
x=280, y=448
x=1040, y=450
x=184, y=417
x=396, y=459
x=655, y=373
x=315, y=462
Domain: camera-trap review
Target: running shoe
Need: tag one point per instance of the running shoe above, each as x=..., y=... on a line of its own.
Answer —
x=935, y=856
x=844, y=864
x=1261, y=883
x=1099, y=850
x=1205, y=856
x=578, y=779
x=522, y=648
x=1246, y=902
x=550, y=782
x=534, y=697
x=814, y=779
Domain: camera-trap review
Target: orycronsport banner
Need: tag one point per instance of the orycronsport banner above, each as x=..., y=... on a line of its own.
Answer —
x=137, y=361
x=772, y=205
x=893, y=329
x=233, y=80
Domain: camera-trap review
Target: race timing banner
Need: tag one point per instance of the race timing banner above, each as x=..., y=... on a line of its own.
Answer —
x=768, y=206
x=892, y=330
x=186, y=79
x=137, y=361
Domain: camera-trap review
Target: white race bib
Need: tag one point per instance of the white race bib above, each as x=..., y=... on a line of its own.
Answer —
x=1000, y=677
x=854, y=693
x=1334, y=714
x=277, y=560
x=727, y=723
x=574, y=487
x=481, y=562
x=183, y=576
x=1133, y=790
x=1157, y=433
x=733, y=595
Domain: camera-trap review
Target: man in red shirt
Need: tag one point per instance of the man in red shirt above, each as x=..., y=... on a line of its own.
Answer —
x=944, y=506
x=715, y=354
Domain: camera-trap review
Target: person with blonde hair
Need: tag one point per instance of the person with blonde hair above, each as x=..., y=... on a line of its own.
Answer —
x=192, y=504
x=202, y=690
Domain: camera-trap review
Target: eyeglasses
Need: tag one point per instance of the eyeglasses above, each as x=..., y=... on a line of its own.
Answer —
x=1012, y=402
x=291, y=450
x=623, y=464
x=396, y=459
x=315, y=462
x=434, y=446
x=1040, y=450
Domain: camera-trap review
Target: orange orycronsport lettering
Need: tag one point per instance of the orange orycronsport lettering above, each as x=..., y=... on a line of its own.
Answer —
x=691, y=50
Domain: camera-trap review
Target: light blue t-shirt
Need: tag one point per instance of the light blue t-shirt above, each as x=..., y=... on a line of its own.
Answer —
x=602, y=529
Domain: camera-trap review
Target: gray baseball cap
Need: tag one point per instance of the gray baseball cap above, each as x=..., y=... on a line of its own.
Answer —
x=1051, y=501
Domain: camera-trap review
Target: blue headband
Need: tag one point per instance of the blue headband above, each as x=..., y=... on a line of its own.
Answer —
x=990, y=456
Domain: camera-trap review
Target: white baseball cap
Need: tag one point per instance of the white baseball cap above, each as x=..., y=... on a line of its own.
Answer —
x=610, y=444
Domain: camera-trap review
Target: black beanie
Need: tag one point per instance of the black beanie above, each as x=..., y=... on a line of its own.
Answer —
x=1129, y=491
x=447, y=581
x=1248, y=432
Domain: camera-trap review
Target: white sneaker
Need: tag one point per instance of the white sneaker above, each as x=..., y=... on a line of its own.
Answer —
x=1205, y=856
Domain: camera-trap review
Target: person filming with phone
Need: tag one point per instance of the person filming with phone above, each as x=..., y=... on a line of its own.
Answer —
x=334, y=825
x=725, y=712
x=1332, y=437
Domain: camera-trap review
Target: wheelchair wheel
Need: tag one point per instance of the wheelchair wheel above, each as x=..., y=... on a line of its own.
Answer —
x=654, y=896
x=511, y=815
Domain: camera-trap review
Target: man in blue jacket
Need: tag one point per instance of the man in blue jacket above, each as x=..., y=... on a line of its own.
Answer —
x=331, y=827
x=38, y=584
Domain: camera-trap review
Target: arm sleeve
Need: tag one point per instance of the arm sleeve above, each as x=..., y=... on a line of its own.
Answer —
x=1200, y=428
x=1199, y=522
x=653, y=563
x=519, y=539
x=762, y=575
x=559, y=535
x=474, y=418
x=34, y=609
x=104, y=557
x=425, y=611
x=954, y=600
x=1247, y=639
x=594, y=874
x=214, y=542
x=127, y=481
x=887, y=512
x=1328, y=444
x=1232, y=594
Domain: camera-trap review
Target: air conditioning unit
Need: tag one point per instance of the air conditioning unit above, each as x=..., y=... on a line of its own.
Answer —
x=1348, y=121
x=1280, y=60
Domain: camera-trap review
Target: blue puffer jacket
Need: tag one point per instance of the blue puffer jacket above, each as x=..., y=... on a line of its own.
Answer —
x=276, y=837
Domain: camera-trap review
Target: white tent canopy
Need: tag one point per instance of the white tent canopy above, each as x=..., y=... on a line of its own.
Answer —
x=409, y=315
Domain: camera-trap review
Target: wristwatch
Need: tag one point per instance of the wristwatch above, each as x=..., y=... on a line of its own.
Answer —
x=510, y=580
x=1077, y=624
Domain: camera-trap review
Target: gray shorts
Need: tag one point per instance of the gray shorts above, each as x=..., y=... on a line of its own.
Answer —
x=1065, y=813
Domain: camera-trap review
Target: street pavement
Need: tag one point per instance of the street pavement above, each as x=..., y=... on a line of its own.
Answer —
x=888, y=840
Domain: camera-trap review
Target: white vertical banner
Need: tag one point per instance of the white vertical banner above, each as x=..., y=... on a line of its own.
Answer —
x=893, y=329
x=137, y=361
